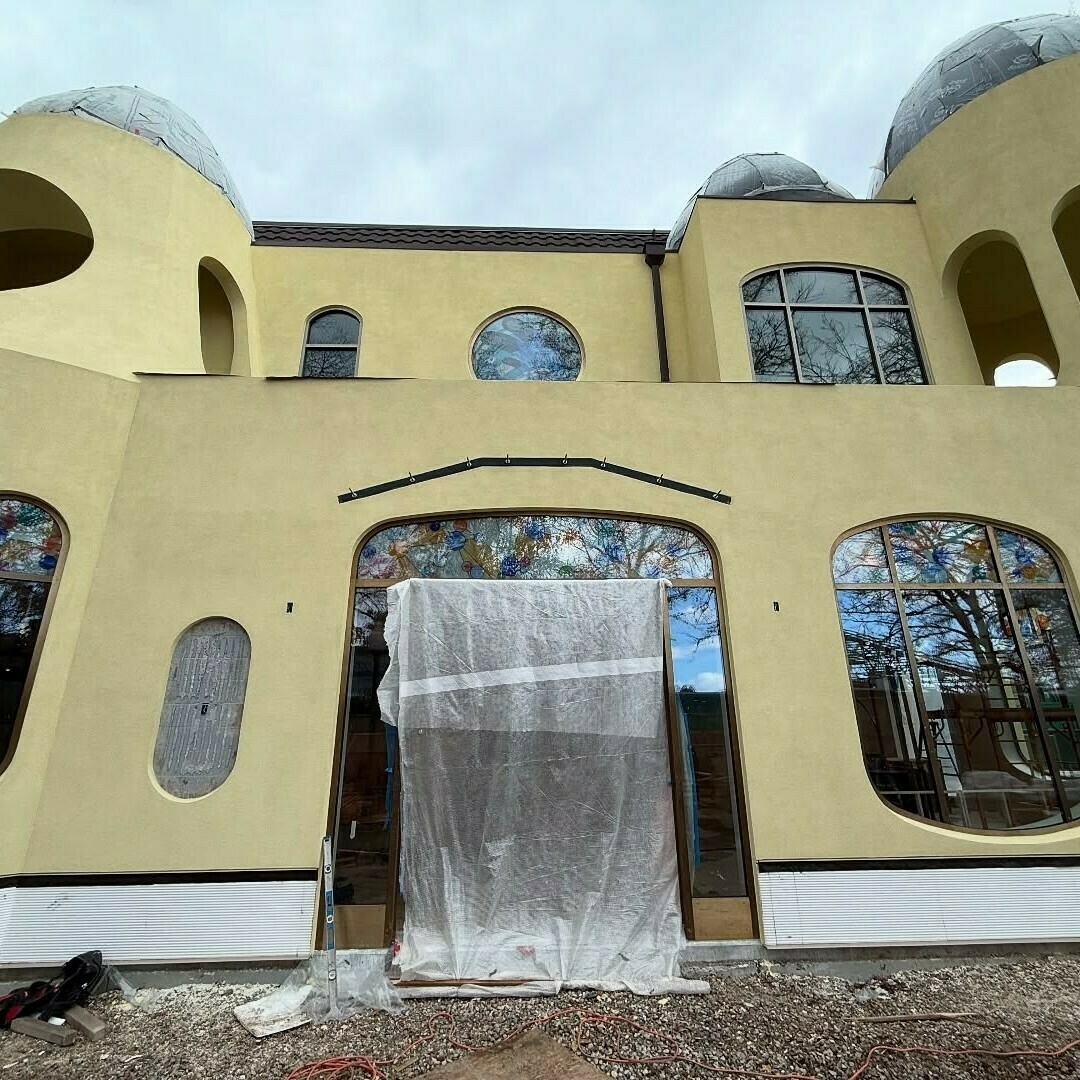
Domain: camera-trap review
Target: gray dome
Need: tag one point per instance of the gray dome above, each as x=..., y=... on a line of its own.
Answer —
x=760, y=176
x=975, y=63
x=151, y=118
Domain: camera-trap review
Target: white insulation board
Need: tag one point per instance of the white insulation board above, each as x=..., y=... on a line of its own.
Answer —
x=173, y=922
x=954, y=905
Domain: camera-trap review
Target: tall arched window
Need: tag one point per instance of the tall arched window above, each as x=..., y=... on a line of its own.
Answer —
x=543, y=546
x=199, y=729
x=965, y=668
x=830, y=325
x=527, y=345
x=331, y=345
x=30, y=546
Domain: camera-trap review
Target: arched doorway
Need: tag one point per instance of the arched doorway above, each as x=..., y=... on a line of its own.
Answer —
x=222, y=321
x=542, y=545
x=1001, y=308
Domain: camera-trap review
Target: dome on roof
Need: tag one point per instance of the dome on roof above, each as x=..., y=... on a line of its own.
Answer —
x=975, y=63
x=760, y=176
x=152, y=118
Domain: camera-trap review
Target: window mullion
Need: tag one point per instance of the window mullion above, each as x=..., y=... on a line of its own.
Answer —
x=916, y=684
x=791, y=328
x=1049, y=749
x=868, y=322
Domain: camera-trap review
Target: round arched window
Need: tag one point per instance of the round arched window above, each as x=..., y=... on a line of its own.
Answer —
x=527, y=345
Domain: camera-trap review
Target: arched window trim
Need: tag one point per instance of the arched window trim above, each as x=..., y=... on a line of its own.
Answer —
x=155, y=778
x=858, y=269
x=46, y=615
x=304, y=345
x=714, y=582
x=1067, y=586
x=527, y=309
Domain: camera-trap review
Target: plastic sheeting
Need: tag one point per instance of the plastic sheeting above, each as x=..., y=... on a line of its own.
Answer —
x=969, y=67
x=152, y=118
x=537, y=833
x=759, y=176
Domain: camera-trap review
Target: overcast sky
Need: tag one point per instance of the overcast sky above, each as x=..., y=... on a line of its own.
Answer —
x=578, y=113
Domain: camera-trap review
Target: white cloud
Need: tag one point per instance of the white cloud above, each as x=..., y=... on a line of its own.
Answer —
x=540, y=112
x=709, y=682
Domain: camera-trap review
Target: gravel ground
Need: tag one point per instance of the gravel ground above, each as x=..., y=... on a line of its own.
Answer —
x=758, y=1016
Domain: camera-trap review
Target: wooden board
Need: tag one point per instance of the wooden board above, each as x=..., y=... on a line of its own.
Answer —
x=359, y=926
x=723, y=919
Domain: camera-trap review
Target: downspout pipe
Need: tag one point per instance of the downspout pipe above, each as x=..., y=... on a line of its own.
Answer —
x=654, y=251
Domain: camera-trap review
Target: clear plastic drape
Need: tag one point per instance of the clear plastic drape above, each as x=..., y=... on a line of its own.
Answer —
x=537, y=834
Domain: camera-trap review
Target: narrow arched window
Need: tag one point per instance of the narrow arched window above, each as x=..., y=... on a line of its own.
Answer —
x=331, y=345
x=527, y=345
x=30, y=546
x=964, y=659
x=830, y=325
x=204, y=704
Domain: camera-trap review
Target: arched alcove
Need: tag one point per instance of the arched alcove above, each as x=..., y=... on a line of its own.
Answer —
x=222, y=321
x=1023, y=371
x=1067, y=235
x=44, y=236
x=1001, y=308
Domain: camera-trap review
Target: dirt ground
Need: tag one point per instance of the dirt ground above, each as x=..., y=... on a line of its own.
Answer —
x=775, y=1019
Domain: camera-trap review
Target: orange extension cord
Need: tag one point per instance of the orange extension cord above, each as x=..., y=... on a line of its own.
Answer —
x=350, y=1068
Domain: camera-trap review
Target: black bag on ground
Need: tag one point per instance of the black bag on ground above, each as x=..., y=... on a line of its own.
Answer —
x=79, y=978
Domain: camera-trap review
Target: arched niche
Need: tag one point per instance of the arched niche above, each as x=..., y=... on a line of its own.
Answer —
x=222, y=321
x=1023, y=371
x=1002, y=310
x=1067, y=235
x=44, y=236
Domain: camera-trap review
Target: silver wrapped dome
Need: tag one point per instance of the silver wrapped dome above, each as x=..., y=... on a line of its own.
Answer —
x=151, y=118
x=969, y=67
x=760, y=176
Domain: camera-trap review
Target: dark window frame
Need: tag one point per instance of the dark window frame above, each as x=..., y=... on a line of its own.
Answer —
x=524, y=309
x=1000, y=586
x=865, y=308
x=332, y=309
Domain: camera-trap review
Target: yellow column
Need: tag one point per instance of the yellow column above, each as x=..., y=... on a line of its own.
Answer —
x=1060, y=305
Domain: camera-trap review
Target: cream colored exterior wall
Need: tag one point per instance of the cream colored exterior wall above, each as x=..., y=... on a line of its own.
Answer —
x=195, y=497
x=1000, y=168
x=134, y=304
x=188, y=539
x=422, y=309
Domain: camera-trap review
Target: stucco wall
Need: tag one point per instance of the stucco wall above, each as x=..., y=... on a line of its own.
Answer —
x=227, y=506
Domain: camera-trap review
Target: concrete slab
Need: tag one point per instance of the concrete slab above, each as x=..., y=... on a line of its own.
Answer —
x=534, y=1056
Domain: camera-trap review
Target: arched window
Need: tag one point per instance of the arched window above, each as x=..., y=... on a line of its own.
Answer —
x=204, y=704
x=331, y=345
x=543, y=547
x=30, y=545
x=527, y=345
x=965, y=668
x=830, y=325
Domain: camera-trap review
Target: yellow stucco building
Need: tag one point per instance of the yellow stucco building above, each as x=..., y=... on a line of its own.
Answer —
x=874, y=657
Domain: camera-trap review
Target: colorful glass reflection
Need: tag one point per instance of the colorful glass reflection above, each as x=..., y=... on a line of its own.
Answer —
x=30, y=539
x=526, y=345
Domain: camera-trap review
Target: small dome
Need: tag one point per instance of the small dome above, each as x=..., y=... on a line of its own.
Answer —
x=760, y=176
x=151, y=118
x=975, y=63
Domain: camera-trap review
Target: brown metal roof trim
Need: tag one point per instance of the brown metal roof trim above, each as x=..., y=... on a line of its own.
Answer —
x=452, y=238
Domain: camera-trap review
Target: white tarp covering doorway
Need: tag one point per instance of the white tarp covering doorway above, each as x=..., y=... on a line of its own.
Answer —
x=537, y=832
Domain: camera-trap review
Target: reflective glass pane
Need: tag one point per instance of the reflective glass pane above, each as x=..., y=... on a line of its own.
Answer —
x=363, y=833
x=894, y=336
x=329, y=363
x=893, y=740
x=821, y=287
x=833, y=346
x=879, y=291
x=702, y=706
x=770, y=345
x=1025, y=561
x=29, y=539
x=941, y=551
x=765, y=288
x=979, y=706
x=534, y=547
x=334, y=328
x=861, y=559
x=1053, y=648
x=527, y=345
x=22, y=604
